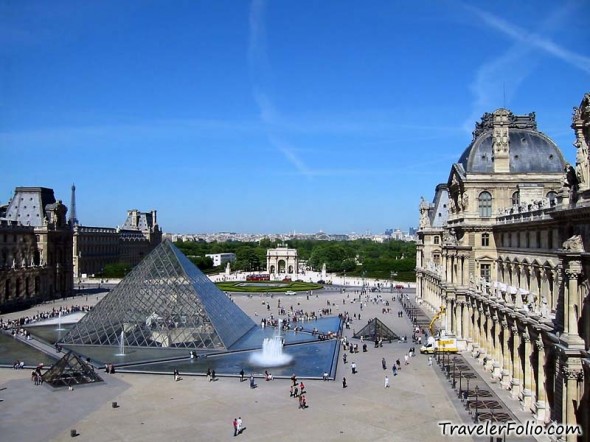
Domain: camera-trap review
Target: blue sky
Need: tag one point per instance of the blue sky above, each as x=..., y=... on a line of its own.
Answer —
x=256, y=116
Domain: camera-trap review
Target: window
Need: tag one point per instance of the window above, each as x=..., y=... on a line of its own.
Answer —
x=485, y=204
x=552, y=197
x=550, y=239
x=436, y=258
x=516, y=198
x=486, y=271
x=436, y=240
x=485, y=239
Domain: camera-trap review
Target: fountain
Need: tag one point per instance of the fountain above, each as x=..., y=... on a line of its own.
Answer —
x=121, y=344
x=272, y=352
x=59, y=328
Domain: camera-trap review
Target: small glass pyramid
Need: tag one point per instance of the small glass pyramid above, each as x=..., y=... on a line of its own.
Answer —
x=70, y=370
x=165, y=302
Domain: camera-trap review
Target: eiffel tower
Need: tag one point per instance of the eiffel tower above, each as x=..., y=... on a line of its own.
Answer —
x=164, y=302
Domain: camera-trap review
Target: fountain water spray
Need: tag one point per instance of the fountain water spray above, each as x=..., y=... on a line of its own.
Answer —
x=272, y=352
x=121, y=344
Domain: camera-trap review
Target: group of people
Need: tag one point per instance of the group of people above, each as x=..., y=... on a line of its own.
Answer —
x=16, y=324
x=298, y=391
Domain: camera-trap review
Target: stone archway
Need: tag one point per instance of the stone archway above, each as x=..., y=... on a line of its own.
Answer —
x=282, y=260
x=282, y=264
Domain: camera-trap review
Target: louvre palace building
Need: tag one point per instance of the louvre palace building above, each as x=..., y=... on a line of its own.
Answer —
x=42, y=250
x=35, y=249
x=504, y=253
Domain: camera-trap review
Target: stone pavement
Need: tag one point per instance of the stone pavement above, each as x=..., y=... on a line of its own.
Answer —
x=155, y=407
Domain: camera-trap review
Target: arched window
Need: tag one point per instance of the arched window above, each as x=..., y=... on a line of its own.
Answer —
x=485, y=204
x=552, y=197
x=516, y=198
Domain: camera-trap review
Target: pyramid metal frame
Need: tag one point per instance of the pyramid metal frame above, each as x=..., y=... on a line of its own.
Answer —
x=165, y=302
x=70, y=370
x=376, y=329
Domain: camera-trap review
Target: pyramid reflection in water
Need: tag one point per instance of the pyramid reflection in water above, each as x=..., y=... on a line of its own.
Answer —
x=165, y=302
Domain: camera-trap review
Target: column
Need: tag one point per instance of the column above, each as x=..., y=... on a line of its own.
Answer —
x=515, y=384
x=475, y=330
x=465, y=322
x=571, y=378
x=541, y=412
x=459, y=318
x=506, y=371
x=448, y=313
x=526, y=394
x=497, y=363
x=572, y=339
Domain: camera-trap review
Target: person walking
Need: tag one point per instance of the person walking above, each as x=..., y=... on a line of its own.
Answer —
x=353, y=367
x=241, y=375
x=406, y=357
x=383, y=364
x=386, y=382
x=241, y=428
x=429, y=360
x=343, y=382
x=235, y=426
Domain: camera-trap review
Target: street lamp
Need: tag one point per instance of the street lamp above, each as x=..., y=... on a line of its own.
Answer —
x=467, y=392
x=454, y=378
x=460, y=389
x=476, y=402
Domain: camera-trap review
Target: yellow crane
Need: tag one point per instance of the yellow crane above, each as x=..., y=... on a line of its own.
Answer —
x=435, y=318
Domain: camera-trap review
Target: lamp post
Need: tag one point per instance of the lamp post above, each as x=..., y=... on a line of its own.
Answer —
x=476, y=402
x=393, y=275
x=460, y=382
x=467, y=392
x=454, y=378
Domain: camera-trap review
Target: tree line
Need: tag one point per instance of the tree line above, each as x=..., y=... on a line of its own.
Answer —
x=355, y=258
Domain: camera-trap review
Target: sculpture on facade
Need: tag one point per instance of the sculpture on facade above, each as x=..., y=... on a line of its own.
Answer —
x=450, y=237
x=570, y=180
x=574, y=244
x=424, y=207
x=465, y=201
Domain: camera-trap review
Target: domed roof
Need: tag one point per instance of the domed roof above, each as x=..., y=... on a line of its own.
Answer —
x=530, y=150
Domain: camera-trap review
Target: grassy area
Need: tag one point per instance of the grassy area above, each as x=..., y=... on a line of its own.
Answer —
x=294, y=286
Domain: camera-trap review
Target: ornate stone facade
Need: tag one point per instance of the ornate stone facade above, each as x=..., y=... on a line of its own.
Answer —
x=512, y=267
x=35, y=249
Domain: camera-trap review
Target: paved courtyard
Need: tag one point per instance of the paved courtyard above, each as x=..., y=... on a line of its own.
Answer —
x=152, y=407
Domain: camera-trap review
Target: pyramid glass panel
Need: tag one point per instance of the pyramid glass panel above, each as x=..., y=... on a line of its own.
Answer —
x=166, y=302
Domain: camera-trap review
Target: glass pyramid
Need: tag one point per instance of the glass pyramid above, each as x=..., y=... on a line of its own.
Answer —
x=375, y=329
x=70, y=370
x=165, y=302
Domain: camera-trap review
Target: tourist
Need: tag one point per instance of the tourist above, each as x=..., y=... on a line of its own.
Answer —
x=325, y=376
x=344, y=358
x=209, y=375
x=353, y=367
x=252, y=382
x=383, y=364
x=241, y=428
x=235, y=423
x=399, y=364
x=429, y=360
x=176, y=375
x=394, y=369
x=343, y=382
x=302, y=388
x=406, y=358
x=241, y=375
x=213, y=375
x=386, y=382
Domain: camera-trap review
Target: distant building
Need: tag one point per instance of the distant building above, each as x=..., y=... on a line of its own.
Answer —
x=221, y=258
x=95, y=247
x=35, y=249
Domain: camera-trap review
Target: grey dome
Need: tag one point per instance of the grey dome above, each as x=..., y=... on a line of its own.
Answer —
x=530, y=150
